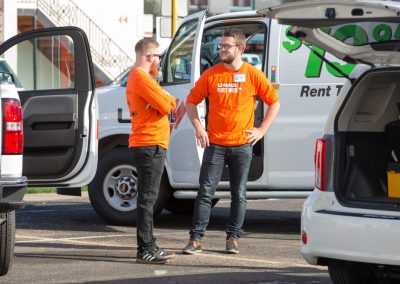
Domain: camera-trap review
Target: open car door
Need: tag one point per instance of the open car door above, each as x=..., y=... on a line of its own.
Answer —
x=56, y=84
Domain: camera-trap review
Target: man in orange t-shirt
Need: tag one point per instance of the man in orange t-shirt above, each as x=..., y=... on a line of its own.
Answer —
x=149, y=106
x=231, y=87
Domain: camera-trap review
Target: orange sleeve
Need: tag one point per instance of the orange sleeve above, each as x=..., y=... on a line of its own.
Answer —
x=199, y=91
x=159, y=99
x=264, y=89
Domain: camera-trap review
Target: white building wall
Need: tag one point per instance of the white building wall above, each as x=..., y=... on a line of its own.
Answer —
x=10, y=18
x=10, y=30
x=219, y=6
x=122, y=20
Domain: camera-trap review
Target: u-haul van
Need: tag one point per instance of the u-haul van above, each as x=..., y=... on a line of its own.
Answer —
x=282, y=165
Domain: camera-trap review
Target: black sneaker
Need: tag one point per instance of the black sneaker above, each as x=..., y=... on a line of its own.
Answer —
x=232, y=246
x=150, y=257
x=192, y=247
x=164, y=254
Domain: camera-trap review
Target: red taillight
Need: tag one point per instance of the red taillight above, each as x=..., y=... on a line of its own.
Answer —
x=320, y=164
x=304, y=237
x=12, y=126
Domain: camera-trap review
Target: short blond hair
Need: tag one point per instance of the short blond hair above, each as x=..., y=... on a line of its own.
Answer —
x=146, y=46
x=239, y=37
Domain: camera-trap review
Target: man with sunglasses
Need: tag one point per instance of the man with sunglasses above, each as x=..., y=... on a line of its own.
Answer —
x=149, y=106
x=231, y=87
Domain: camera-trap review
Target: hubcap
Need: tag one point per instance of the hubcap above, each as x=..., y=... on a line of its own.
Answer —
x=120, y=187
x=126, y=187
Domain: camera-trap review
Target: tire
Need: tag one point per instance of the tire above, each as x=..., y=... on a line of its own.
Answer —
x=7, y=239
x=113, y=191
x=183, y=206
x=345, y=272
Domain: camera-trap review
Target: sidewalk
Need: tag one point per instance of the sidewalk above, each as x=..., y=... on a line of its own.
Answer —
x=52, y=197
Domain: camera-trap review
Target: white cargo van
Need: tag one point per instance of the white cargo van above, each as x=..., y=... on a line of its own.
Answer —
x=48, y=117
x=282, y=164
x=351, y=221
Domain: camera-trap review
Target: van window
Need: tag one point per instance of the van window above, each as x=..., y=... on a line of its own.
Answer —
x=255, y=44
x=178, y=62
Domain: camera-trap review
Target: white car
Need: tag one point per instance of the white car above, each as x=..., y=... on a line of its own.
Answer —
x=351, y=221
x=253, y=59
x=48, y=118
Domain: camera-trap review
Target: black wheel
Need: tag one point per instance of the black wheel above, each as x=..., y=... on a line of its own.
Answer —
x=113, y=191
x=345, y=272
x=183, y=206
x=7, y=238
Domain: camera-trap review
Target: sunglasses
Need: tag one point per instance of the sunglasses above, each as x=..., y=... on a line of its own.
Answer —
x=153, y=54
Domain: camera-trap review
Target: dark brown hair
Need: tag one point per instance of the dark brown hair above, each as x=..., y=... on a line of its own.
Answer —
x=239, y=37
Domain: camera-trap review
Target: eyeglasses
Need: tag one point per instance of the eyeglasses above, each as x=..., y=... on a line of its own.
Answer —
x=226, y=46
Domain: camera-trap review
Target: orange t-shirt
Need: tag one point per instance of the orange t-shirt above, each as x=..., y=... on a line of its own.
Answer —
x=232, y=96
x=149, y=106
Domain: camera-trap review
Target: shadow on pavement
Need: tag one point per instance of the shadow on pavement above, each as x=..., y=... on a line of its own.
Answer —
x=276, y=276
x=82, y=217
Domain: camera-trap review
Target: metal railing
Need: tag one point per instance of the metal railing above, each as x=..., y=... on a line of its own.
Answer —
x=109, y=57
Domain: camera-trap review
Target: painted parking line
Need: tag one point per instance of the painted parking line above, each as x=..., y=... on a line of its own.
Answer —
x=210, y=255
x=40, y=239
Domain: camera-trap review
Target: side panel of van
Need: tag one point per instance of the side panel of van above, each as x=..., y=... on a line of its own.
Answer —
x=307, y=89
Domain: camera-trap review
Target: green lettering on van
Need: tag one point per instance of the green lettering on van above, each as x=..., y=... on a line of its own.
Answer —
x=397, y=32
x=291, y=46
x=314, y=63
x=355, y=32
x=382, y=32
x=346, y=68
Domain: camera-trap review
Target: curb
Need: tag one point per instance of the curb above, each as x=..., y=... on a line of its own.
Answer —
x=40, y=197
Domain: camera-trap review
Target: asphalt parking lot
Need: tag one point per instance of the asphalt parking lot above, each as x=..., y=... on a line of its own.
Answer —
x=62, y=240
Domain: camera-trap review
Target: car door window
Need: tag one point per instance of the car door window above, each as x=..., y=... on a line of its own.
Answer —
x=43, y=63
x=178, y=61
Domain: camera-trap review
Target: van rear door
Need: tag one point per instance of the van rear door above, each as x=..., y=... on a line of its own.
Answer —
x=55, y=70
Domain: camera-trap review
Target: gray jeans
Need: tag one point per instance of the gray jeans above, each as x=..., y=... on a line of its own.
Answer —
x=238, y=159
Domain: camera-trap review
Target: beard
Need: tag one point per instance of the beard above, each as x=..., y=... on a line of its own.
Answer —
x=154, y=69
x=228, y=58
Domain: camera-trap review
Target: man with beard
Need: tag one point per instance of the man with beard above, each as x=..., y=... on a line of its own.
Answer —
x=149, y=106
x=231, y=87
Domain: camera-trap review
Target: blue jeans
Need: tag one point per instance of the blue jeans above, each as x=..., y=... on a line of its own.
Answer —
x=149, y=161
x=238, y=159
